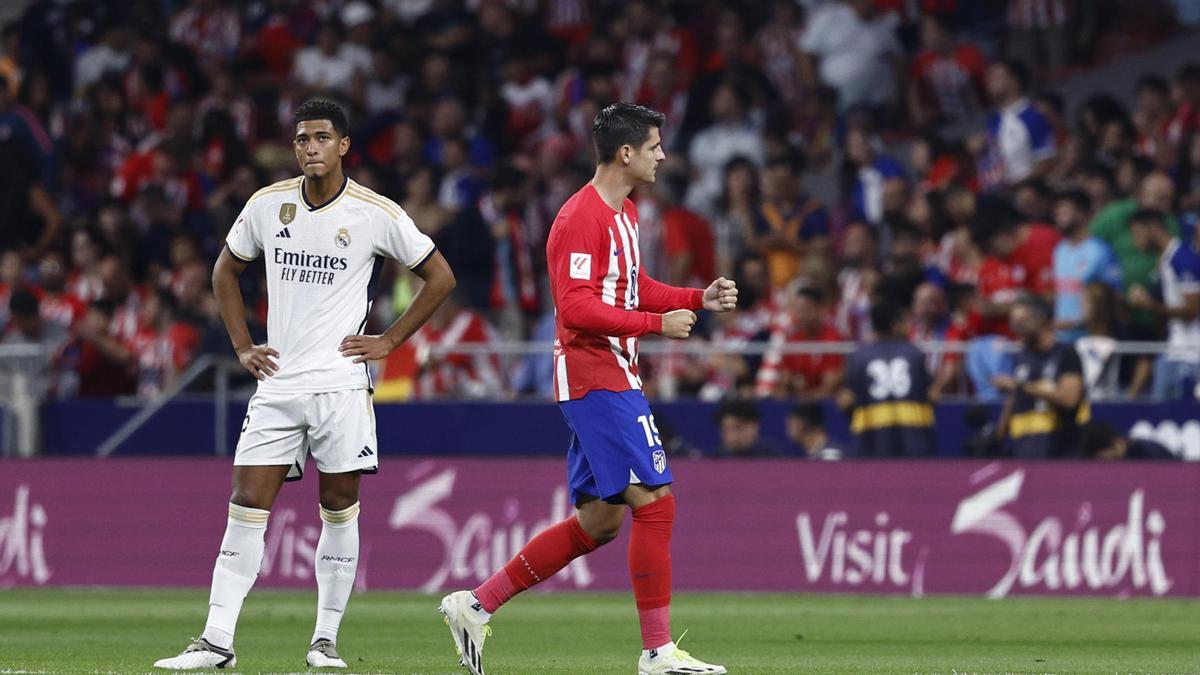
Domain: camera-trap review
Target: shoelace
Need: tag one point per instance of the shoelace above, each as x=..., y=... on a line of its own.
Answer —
x=679, y=653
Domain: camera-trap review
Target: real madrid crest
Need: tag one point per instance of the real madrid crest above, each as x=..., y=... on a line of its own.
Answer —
x=342, y=238
x=287, y=213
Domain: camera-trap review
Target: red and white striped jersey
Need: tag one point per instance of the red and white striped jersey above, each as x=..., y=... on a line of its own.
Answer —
x=462, y=375
x=603, y=299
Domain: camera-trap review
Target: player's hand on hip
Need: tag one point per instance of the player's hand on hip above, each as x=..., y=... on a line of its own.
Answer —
x=257, y=360
x=678, y=324
x=366, y=347
x=721, y=295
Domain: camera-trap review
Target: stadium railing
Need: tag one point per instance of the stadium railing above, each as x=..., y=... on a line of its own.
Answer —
x=24, y=386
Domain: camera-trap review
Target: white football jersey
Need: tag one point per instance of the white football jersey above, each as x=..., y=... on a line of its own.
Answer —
x=321, y=260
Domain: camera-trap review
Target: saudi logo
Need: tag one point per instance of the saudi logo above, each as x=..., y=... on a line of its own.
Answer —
x=287, y=213
x=342, y=238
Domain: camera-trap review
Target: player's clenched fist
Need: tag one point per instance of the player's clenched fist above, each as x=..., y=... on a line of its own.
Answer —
x=678, y=324
x=257, y=360
x=721, y=296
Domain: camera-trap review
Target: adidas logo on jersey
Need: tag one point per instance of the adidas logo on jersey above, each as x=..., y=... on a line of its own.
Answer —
x=284, y=234
x=366, y=452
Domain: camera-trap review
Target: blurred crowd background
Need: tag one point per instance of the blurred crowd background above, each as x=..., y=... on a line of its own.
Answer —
x=826, y=155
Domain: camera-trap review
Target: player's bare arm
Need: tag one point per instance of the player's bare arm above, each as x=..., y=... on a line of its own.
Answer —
x=254, y=358
x=439, y=282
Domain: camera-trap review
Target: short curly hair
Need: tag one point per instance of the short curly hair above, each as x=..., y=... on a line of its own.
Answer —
x=323, y=109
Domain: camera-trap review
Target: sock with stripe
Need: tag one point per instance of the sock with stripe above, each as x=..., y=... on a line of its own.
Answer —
x=335, y=567
x=650, y=569
x=542, y=558
x=234, y=574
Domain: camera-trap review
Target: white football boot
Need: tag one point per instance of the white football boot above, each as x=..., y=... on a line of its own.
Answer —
x=671, y=660
x=468, y=626
x=200, y=655
x=323, y=654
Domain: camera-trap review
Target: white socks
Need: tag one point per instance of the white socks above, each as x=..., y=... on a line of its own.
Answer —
x=664, y=650
x=335, y=567
x=234, y=574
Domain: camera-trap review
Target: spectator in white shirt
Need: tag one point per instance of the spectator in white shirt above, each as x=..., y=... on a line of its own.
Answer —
x=330, y=65
x=730, y=135
x=850, y=48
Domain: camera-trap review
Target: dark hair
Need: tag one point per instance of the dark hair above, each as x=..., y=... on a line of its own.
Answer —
x=994, y=215
x=812, y=293
x=1096, y=436
x=903, y=229
x=1036, y=304
x=507, y=177
x=1102, y=172
x=1154, y=83
x=23, y=303
x=622, y=124
x=811, y=414
x=1038, y=186
x=323, y=109
x=789, y=157
x=734, y=164
x=1149, y=217
x=1188, y=72
x=1018, y=70
x=884, y=317
x=740, y=408
x=1077, y=197
x=1054, y=100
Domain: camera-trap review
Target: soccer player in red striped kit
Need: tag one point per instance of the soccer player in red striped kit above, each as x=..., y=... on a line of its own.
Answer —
x=604, y=301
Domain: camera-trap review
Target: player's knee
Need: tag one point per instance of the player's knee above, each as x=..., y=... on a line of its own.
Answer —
x=602, y=532
x=338, y=499
x=250, y=498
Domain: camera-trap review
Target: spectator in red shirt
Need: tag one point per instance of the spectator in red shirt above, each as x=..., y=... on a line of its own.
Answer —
x=805, y=376
x=58, y=305
x=162, y=347
x=446, y=375
x=1152, y=118
x=687, y=238
x=948, y=78
x=1186, y=96
x=1000, y=277
x=932, y=321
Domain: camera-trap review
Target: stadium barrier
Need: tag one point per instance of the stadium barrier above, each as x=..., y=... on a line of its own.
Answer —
x=914, y=528
x=185, y=426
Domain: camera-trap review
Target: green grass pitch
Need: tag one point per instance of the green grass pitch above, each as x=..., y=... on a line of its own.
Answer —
x=61, y=631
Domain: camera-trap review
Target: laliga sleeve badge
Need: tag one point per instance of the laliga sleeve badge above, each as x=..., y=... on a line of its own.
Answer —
x=342, y=238
x=581, y=266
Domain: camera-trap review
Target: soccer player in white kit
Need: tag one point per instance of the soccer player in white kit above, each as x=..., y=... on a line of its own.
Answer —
x=322, y=236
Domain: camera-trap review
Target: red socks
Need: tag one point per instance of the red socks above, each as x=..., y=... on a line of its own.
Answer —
x=650, y=569
x=542, y=558
x=649, y=566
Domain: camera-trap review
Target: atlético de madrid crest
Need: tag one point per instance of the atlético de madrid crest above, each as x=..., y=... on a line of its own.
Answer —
x=342, y=238
x=287, y=213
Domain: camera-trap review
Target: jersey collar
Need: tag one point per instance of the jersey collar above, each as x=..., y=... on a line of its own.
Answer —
x=311, y=207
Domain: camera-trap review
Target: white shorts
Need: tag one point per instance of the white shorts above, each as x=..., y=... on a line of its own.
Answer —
x=338, y=427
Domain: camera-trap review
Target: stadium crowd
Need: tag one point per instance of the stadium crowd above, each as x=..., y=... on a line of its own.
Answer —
x=134, y=132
